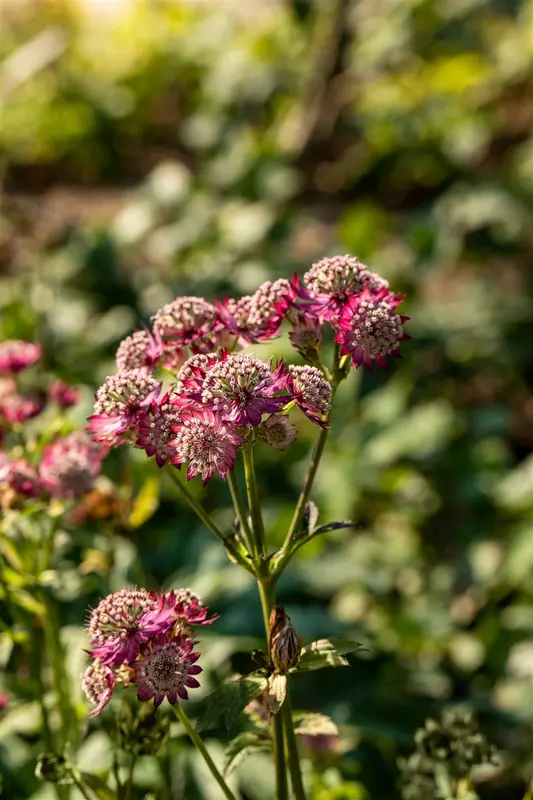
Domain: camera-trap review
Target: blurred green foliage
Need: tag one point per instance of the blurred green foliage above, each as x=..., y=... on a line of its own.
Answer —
x=183, y=148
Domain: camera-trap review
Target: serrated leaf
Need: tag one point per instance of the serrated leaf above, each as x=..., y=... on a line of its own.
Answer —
x=228, y=700
x=145, y=504
x=326, y=653
x=241, y=746
x=334, y=526
x=277, y=692
x=315, y=725
x=310, y=517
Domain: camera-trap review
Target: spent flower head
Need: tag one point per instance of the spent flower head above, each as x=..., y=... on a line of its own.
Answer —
x=279, y=431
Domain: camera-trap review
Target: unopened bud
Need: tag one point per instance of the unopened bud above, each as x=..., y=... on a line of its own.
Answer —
x=284, y=644
x=53, y=768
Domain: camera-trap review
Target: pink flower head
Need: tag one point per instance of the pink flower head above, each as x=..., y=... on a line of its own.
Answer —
x=155, y=427
x=119, y=402
x=23, y=479
x=331, y=281
x=141, y=350
x=206, y=443
x=279, y=432
x=16, y=355
x=124, y=620
x=371, y=329
x=191, y=377
x=166, y=668
x=98, y=683
x=70, y=465
x=63, y=395
x=257, y=318
x=16, y=408
x=242, y=388
x=311, y=392
x=185, y=321
x=187, y=607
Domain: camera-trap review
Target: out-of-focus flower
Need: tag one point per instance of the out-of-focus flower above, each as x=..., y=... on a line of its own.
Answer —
x=70, y=465
x=311, y=392
x=118, y=403
x=156, y=429
x=306, y=334
x=166, y=668
x=23, y=479
x=123, y=620
x=16, y=355
x=257, y=317
x=5, y=466
x=4, y=700
x=279, y=431
x=242, y=388
x=185, y=321
x=98, y=683
x=63, y=395
x=206, y=443
x=371, y=329
x=17, y=408
x=141, y=350
x=330, y=282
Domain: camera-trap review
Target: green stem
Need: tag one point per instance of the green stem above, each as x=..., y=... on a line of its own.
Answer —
x=241, y=512
x=254, y=505
x=80, y=787
x=208, y=521
x=202, y=749
x=291, y=747
x=129, y=782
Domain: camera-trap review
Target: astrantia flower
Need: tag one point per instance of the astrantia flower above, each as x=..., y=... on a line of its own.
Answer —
x=190, y=379
x=141, y=350
x=23, y=479
x=257, y=318
x=187, y=607
x=63, y=395
x=185, y=320
x=122, y=621
x=98, y=683
x=311, y=392
x=16, y=355
x=118, y=403
x=166, y=668
x=70, y=465
x=156, y=429
x=17, y=408
x=242, y=388
x=371, y=329
x=206, y=443
x=306, y=334
x=279, y=432
x=331, y=281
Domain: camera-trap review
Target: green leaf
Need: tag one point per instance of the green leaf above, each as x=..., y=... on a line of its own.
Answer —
x=98, y=786
x=229, y=699
x=326, y=653
x=145, y=504
x=244, y=744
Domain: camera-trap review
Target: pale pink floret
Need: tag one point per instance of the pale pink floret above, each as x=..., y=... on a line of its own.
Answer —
x=166, y=668
x=119, y=401
x=243, y=388
x=371, y=329
x=186, y=321
x=141, y=350
x=206, y=443
x=16, y=355
x=70, y=465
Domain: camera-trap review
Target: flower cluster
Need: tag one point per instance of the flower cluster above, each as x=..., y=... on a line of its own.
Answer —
x=219, y=398
x=144, y=639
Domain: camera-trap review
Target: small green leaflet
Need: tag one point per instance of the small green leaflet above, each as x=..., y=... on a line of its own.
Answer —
x=326, y=653
x=227, y=702
x=244, y=744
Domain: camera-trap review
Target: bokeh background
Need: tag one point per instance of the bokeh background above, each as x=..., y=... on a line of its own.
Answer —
x=150, y=149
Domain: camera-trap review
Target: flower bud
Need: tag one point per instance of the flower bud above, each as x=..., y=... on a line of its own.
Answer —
x=284, y=644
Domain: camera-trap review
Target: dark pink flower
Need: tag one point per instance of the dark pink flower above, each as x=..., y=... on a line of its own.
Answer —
x=206, y=443
x=166, y=668
x=331, y=281
x=16, y=408
x=119, y=402
x=185, y=321
x=23, y=479
x=63, y=395
x=279, y=431
x=371, y=329
x=242, y=388
x=311, y=392
x=98, y=683
x=187, y=607
x=257, y=318
x=16, y=355
x=124, y=620
x=70, y=465
x=141, y=350
x=155, y=427
x=190, y=379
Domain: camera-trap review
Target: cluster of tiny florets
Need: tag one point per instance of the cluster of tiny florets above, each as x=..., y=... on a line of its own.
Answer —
x=124, y=389
x=131, y=353
x=311, y=391
x=70, y=465
x=341, y=275
x=184, y=319
x=143, y=638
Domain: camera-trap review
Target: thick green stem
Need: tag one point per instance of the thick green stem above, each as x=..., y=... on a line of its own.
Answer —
x=293, y=759
x=202, y=749
x=253, y=501
x=241, y=512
